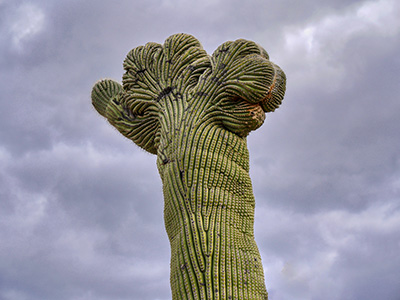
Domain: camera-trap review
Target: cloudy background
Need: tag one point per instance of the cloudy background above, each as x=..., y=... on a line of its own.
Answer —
x=81, y=208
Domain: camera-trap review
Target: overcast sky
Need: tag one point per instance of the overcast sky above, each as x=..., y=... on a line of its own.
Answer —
x=81, y=207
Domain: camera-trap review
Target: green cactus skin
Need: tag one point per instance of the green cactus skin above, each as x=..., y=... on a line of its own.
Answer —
x=194, y=112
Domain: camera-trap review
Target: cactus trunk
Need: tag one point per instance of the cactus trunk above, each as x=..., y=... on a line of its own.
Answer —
x=209, y=207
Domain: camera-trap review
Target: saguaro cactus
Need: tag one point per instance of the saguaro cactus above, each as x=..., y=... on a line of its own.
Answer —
x=194, y=112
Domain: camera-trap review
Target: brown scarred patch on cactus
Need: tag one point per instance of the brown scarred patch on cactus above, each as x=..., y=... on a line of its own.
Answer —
x=194, y=111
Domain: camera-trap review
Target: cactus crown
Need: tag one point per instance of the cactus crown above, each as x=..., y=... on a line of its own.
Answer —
x=238, y=81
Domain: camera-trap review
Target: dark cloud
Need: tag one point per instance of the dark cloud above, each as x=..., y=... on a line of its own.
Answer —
x=81, y=207
x=338, y=132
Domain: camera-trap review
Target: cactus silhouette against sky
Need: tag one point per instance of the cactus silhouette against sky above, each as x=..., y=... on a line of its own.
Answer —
x=194, y=112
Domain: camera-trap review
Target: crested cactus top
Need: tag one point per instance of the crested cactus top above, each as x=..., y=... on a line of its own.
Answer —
x=238, y=80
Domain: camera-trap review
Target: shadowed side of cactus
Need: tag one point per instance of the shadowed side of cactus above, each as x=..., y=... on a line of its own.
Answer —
x=194, y=112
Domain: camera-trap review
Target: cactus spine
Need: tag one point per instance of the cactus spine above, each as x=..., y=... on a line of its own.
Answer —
x=194, y=112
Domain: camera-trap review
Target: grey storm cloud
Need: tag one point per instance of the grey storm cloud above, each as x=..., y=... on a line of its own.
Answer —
x=81, y=208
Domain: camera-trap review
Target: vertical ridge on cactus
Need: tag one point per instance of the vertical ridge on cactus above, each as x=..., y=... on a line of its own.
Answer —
x=194, y=111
